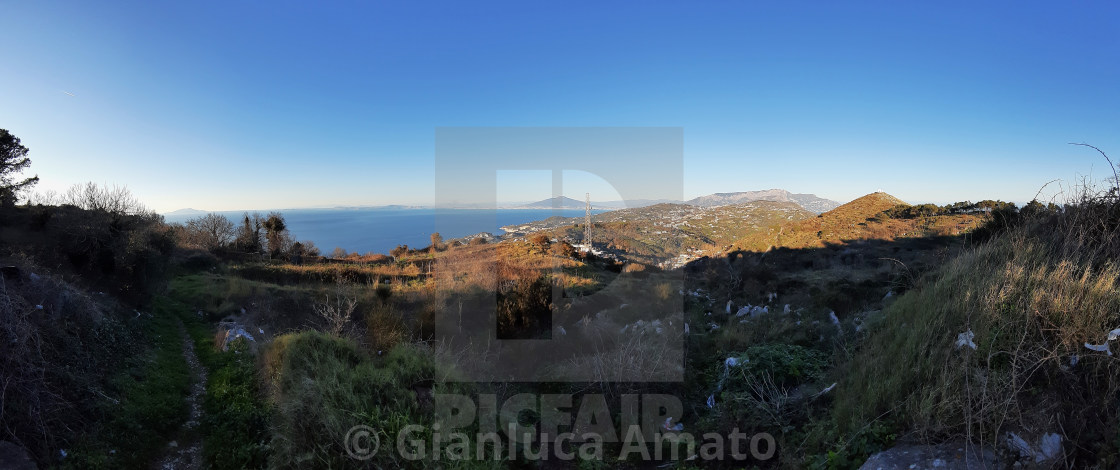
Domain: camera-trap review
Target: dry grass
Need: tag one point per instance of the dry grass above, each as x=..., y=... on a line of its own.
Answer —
x=858, y=220
x=1033, y=297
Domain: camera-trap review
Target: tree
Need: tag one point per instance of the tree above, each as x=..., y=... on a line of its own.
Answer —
x=437, y=242
x=249, y=234
x=115, y=200
x=301, y=250
x=211, y=231
x=309, y=248
x=339, y=253
x=13, y=159
x=541, y=240
x=275, y=227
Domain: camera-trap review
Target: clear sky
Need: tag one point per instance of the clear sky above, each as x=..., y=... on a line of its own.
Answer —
x=258, y=105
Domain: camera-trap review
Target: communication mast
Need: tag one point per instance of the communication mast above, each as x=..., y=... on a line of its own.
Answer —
x=587, y=225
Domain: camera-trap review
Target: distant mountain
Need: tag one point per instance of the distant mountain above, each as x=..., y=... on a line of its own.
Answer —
x=187, y=211
x=563, y=202
x=810, y=202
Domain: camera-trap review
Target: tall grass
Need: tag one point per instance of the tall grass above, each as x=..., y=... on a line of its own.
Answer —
x=321, y=386
x=1033, y=297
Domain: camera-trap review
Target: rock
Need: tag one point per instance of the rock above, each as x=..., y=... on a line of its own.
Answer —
x=234, y=332
x=1049, y=447
x=965, y=339
x=14, y=457
x=950, y=456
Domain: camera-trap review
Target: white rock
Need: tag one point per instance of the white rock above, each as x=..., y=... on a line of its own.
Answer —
x=965, y=339
x=1050, y=447
x=559, y=329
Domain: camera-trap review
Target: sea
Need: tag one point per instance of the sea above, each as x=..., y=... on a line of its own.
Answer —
x=379, y=230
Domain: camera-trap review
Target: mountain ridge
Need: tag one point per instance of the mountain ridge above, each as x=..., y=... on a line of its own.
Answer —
x=810, y=202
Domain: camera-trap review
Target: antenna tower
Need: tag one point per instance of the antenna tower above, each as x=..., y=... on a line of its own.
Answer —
x=587, y=224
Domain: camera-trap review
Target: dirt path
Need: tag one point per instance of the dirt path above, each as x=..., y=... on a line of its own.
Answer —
x=186, y=451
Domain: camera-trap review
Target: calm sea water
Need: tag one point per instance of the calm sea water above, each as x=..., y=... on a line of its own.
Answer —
x=380, y=230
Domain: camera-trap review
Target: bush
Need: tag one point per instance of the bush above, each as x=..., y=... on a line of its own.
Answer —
x=322, y=386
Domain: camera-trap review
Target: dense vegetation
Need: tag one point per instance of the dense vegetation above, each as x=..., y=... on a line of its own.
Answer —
x=838, y=334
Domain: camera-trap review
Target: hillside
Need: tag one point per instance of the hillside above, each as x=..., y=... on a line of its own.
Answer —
x=809, y=201
x=670, y=233
x=860, y=219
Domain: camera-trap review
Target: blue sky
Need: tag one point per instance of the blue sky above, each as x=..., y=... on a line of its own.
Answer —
x=237, y=105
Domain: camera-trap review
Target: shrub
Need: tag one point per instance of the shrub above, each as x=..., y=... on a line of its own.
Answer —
x=322, y=386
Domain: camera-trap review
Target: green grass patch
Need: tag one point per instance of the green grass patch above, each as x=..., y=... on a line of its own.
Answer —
x=152, y=389
x=235, y=418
